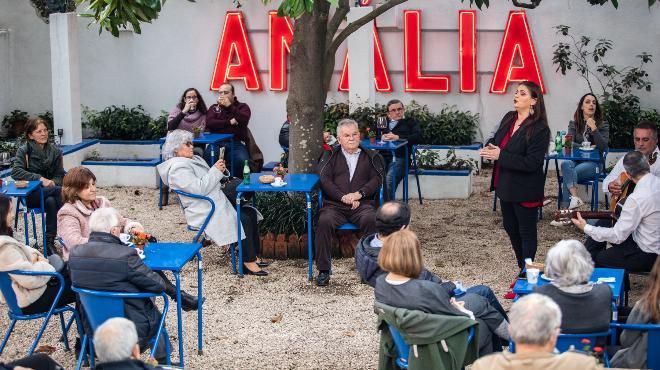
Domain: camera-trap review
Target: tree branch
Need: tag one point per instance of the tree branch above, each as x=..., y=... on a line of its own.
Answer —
x=354, y=26
x=337, y=18
x=531, y=5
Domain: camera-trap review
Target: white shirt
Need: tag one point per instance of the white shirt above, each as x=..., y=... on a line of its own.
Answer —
x=351, y=160
x=640, y=216
x=618, y=170
x=375, y=242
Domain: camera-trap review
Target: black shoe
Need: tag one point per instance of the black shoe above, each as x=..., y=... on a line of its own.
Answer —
x=323, y=279
x=189, y=302
x=263, y=263
x=255, y=273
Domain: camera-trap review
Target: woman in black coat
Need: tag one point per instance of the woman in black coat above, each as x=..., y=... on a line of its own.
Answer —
x=518, y=149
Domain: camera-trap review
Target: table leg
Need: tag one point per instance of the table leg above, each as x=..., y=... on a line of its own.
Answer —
x=43, y=219
x=25, y=220
x=212, y=154
x=559, y=193
x=177, y=279
x=405, y=176
x=231, y=154
x=393, y=190
x=240, y=242
x=200, y=327
x=310, y=252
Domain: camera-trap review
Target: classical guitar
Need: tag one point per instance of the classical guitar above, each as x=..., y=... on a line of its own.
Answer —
x=627, y=187
x=567, y=215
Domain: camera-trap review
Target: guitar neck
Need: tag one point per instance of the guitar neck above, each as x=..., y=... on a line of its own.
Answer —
x=595, y=215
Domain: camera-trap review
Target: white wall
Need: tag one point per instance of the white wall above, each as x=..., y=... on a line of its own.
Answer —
x=178, y=51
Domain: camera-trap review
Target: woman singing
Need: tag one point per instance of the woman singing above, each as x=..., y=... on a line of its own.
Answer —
x=518, y=149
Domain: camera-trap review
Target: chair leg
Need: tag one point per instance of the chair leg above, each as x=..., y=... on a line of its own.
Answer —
x=26, y=226
x=83, y=352
x=232, y=253
x=65, y=339
x=168, y=349
x=7, y=334
x=34, y=227
x=39, y=334
x=494, y=202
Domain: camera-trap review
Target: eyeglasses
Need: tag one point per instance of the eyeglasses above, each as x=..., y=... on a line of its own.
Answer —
x=396, y=110
x=224, y=92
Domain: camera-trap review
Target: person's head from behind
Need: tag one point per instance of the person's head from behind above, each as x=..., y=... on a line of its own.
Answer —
x=192, y=96
x=79, y=184
x=646, y=137
x=534, y=322
x=116, y=340
x=651, y=294
x=348, y=135
x=402, y=254
x=636, y=164
x=105, y=220
x=6, y=216
x=392, y=216
x=36, y=129
x=179, y=143
x=569, y=263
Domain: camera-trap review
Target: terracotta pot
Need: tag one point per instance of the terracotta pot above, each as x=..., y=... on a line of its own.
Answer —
x=347, y=244
x=293, y=248
x=372, y=140
x=335, y=251
x=303, y=246
x=281, y=246
x=268, y=246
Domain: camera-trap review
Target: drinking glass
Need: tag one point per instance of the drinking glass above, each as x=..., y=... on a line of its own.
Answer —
x=4, y=158
x=381, y=124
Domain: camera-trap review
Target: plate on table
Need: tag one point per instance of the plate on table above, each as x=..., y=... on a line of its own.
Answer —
x=545, y=277
x=587, y=149
x=278, y=186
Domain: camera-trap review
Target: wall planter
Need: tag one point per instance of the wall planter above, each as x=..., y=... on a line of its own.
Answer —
x=462, y=151
x=440, y=184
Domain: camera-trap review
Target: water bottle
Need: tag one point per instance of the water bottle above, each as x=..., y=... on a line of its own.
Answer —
x=246, y=173
x=558, y=142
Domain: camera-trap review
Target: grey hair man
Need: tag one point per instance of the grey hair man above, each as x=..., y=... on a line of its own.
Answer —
x=586, y=307
x=634, y=237
x=351, y=177
x=534, y=328
x=116, y=341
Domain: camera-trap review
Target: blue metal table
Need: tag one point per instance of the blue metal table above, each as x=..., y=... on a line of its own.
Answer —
x=392, y=146
x=295, y=182
x=9, y=188
x=575, y=154
x=523, y=287
x=206, y=138
x=172, y=257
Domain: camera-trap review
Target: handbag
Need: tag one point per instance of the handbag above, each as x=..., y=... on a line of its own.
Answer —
x=229, y=185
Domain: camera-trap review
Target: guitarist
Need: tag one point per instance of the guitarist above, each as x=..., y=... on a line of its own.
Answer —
x=635, y=237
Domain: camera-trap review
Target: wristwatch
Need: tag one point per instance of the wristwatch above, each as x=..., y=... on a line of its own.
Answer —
x=362, y=194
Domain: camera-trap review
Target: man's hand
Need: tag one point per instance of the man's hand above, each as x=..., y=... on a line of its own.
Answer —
x=579, y=222
x=355, y=204
x=390, y=136
x=46, y=183
x=614, y=187
x=233, y=122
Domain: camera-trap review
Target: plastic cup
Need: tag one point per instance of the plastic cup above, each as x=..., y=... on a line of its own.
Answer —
x=586, y=144
x=533, y=276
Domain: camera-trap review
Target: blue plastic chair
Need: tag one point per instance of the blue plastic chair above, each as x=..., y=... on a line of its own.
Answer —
x=200, y=238
x=21, y=207
x=103, y=305
x=567, y=342
x=653, y=337
x=403, y=349
x=349, y=225
x=16, y=314
x=600, y=176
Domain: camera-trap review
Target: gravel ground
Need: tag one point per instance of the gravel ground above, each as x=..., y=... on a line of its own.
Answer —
x=284, y=321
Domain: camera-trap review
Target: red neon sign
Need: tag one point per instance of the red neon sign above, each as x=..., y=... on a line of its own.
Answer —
x=280, y=32
x=517, y=42
x=412, y=55
x=234, y=60
x=381, y=77
x=467, y=50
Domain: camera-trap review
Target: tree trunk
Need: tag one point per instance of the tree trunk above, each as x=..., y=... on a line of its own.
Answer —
x=306, y=93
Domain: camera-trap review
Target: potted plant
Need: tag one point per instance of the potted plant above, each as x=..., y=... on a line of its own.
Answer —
x=280, y=171
x=197, y=131
x=445, y=178
x=371, y=134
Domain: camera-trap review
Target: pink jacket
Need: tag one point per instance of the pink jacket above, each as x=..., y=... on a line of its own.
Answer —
x=73, y=223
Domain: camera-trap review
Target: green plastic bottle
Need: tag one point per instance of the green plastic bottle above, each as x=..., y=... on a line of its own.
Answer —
x=246, y=173
x=558, y=142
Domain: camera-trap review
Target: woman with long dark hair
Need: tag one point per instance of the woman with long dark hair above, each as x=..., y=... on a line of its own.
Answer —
x=190, y=115
x=587, y=126
x=518, y=149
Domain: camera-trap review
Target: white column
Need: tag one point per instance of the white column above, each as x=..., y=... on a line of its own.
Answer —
x=361, y=61
x=64, y=61
x=5, y=74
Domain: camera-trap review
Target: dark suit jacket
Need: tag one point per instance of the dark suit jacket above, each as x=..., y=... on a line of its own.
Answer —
x=521, y=162
x=407, y=129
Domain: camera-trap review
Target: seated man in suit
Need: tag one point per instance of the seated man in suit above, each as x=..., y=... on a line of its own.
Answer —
x=350, y=178
x=115, y=344
x=635, y=237
x=105, y=263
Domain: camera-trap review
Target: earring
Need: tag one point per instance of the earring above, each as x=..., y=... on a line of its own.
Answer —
x=531, y=110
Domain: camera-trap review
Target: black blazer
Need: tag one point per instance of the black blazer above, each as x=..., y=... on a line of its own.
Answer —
x=521, y=162
x=407, y=129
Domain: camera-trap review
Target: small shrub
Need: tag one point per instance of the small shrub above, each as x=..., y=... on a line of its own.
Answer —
x=124, y=123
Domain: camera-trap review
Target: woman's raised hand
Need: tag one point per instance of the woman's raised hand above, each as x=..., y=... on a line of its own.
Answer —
x=220, y=165
x=591, y=123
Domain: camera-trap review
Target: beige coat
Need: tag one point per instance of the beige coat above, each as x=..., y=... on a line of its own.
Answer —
x=15, y=255
x=533, y=361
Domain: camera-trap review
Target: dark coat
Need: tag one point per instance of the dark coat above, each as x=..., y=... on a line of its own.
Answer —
x=406, y=129
x=33, y=162
x=105, y=263
x=218, y=120
x=334, y=175
x=126, y=365
x=521, y=162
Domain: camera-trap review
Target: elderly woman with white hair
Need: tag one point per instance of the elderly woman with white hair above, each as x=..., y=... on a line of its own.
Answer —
x=187, y=172
x=586, y=307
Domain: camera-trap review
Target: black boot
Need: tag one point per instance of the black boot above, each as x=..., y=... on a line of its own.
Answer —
x=50, y=245
x=188, y=302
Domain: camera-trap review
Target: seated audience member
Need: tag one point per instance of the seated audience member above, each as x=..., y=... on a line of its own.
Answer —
x=37, y=361
x=34, y=294
x=634, y=237
x=391, y=217
x=116, y=345
x=190, y=115
x=585, y=307
x=401, y=257
x=185, y=171
x=399, y=128
x=646, y=311
x=39, y=160
x=284, y=134
x=80, y=200
x=534, y=329
x=350, y=179
x=105, y=263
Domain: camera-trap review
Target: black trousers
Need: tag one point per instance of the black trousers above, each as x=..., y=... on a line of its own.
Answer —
x=251, y=229
x=332, y=216
x=46, y=300
x=37, y=361
x=52, y=204
x=520, y=224
x=626, y=255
